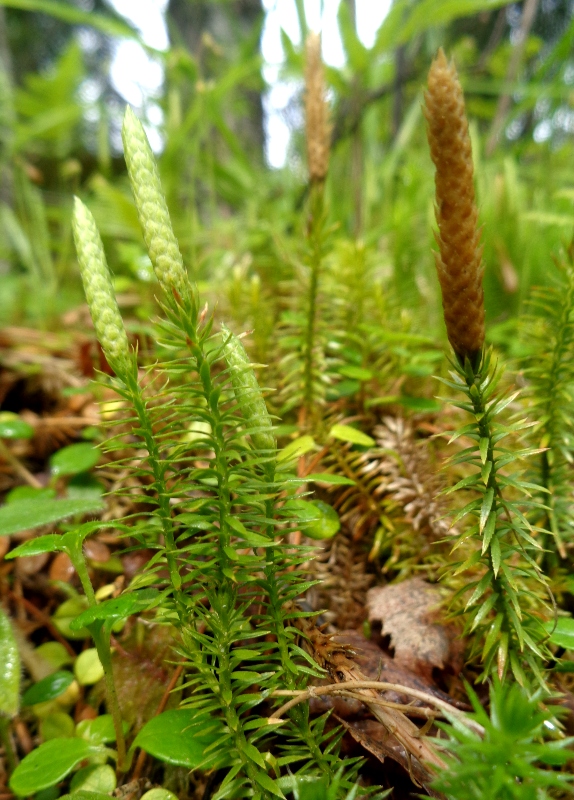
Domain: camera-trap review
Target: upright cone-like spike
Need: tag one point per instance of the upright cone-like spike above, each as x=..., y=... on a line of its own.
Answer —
x=318, y=129
x=459, y=262
x=99, y=290
x=248, y=393
x=154, y=218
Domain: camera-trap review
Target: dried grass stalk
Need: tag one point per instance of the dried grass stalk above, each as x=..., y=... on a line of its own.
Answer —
x=459, y=263
x=318, y=128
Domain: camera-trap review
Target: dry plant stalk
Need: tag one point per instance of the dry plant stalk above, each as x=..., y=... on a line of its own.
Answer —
x=318, y=128
x=459, y=263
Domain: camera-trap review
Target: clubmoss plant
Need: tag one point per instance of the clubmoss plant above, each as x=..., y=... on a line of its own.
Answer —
x=549, y=371
x=231, y=580
x=99, y=290
x=459, y=260
x=152, y=210
x=506, y=606
x=508, y=762
x=305, y=366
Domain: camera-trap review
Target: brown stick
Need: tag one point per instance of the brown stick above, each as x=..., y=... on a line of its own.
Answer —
x=45, y=620
x=347, y=688
x=18, y=467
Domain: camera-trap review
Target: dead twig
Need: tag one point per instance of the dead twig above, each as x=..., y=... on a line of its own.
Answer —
x=350, y=689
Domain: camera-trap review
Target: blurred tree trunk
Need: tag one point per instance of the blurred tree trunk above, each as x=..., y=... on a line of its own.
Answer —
x=528, y=15
x=6, y=113
x=357, y=156
x=230, y=25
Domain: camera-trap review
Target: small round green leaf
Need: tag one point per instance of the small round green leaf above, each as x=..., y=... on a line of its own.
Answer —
x=56, y=725
x=175, y=737
x=423, y=405
x=75, y=458
x=82, y=794
x=158, y=794
x=563, y=634
x=12, y=427
x=95, y=778
x=99, y=730
x=48, y=688
x=317, y=519
x=49, y=763
x=54, y=655
x=67, y=613
x=85, y=487
x=88, y=667
x=51, y=793
x=29, y=493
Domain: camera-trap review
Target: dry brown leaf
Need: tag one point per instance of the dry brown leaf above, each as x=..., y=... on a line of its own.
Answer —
x=408, y=613
x=375, y=738
x=379, y=666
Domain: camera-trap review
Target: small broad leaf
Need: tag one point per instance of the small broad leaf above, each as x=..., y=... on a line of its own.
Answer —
x=563, y=634
x=85, y=487
x=88, y=668
x=12, y=427
x=9, y=668
x=50, y=763
x=48, y=688
x=358, y=373
x=99, y=730
x=120, y=607
x=29, y=493
x=56, y=725
x=66, y=613
x=158, y=794
x=423, y=405
x=74, y=459
x=317, y=519
x=99, y=778
x=50, y=543
x=346, y=433
x=296, y=448
x=175, y=737
x=333, y=480
x=53, y=655
x=24, y=514
x=483, y=447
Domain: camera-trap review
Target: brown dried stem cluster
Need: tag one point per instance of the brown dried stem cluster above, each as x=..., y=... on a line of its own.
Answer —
x=318, y=128
x=459, y=263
